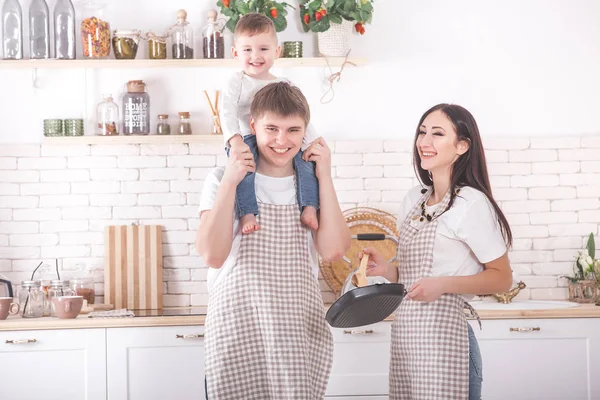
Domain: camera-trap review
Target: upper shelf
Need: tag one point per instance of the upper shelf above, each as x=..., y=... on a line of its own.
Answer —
x=131, y=139
x=170, y=63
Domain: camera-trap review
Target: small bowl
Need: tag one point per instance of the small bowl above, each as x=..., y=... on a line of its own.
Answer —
x=67, y=307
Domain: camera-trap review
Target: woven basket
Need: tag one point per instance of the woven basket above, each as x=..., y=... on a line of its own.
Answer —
x=360, y=220
x=334, y=41
x=586, y=291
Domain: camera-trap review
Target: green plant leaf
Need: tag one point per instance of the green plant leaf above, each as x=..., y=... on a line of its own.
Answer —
x=242, y=7
x=231, y=24
x=367, y=7
x=336, y=19
x=591, y=246
x=280, y=24
x=314, y=6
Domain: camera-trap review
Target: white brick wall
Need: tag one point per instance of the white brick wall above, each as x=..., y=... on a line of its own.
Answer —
x=56, y=200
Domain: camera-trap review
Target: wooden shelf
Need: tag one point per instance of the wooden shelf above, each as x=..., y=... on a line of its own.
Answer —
x=199, y=63
x=133, y=139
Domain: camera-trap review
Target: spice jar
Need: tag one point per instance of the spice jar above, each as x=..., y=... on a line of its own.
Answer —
x=84, y=287
x=95, y=31
x=107, y=117
x=163, y=127
x=58, y=288
x=185, y=127
x=32, y=299
x=136, y=109
x=125, y=44
x=157, y=46
x=182, y=37
x=213, y=43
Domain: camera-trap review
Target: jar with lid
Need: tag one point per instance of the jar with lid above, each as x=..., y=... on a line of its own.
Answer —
x=12, y=30
x=157, y=46
x=58, y=288
x=136, y=109
x=95, y=31
x=163, y=127
x=213, y=42
x=125, y=44
x=182, y=37
x=185, y=127
x=64, y=30
x=32, y=299
x=39, y=30
x=107, y=117
x=84, y=287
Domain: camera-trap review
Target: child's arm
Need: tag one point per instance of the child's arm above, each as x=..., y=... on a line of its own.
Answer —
x=229, y=111
x=332, y=239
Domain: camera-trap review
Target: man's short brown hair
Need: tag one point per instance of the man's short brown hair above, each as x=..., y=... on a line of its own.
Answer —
x=253, y=24
x=282, y=99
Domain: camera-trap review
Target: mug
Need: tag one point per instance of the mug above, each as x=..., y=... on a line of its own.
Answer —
x=67, y=306
x=6, y=307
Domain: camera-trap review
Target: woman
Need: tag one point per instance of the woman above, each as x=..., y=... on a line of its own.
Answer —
x=453, y=243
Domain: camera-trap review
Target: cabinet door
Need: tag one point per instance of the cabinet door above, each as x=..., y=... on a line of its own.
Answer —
x=155, y=363
x=540, y=359
x=53, y=364
x=361, y=359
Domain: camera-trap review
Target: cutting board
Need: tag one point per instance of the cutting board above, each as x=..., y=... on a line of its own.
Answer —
x=133, y=266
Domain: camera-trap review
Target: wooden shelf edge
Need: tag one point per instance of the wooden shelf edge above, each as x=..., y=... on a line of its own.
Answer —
x=122, y=139
x=169, y=63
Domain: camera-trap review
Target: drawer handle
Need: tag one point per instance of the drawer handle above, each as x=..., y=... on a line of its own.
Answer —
x=355, y=332
x=537, y=329
x=190, y=336
x=20, y=341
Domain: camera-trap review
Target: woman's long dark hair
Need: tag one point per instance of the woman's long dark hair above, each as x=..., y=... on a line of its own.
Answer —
x=470, y=169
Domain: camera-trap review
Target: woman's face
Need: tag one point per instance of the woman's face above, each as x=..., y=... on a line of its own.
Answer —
x=437, y=143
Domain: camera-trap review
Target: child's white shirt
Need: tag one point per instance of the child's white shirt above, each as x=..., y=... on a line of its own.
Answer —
x=235, y=109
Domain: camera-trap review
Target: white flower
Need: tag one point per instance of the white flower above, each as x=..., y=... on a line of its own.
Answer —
x=589, y=261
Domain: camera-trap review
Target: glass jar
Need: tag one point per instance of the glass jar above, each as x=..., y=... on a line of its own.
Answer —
x=163, y=127
x=64, y=30
x=32, y=299
x=39, y=30
x=213, y=42
x=185, y=127
x=95, y=31
x=73, y=127
x=136, y=109
x=12, y=30
x=84, y=287
x=58, y=288
x=157, y=46
x=125, y=44
x=107, y=117
x=182, y=38
x=292, y=49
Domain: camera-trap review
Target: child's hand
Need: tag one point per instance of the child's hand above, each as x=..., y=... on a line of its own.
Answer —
x=239, y=163
x=319, y=152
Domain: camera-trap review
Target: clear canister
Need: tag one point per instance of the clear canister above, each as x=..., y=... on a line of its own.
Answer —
x=32, y=299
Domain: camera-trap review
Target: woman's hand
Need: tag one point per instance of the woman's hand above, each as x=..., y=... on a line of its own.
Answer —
x=427, y=289
x=319, y=152
x=240, y=162
x=377, y=265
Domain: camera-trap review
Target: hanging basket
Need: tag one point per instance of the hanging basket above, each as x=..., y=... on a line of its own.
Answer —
x=334, y=41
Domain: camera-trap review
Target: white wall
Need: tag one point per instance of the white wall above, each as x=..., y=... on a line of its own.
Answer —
x=523, y=68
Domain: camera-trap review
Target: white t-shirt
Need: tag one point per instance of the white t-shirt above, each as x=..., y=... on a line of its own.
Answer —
x=269, y=190
x=468, y=234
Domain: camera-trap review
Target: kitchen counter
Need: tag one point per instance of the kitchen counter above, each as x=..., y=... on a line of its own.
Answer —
x=16, y=323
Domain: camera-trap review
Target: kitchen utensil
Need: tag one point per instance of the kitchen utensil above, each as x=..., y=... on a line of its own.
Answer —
x=67, y=307
x=5, y=288
x=133, y=268
x=371, y=301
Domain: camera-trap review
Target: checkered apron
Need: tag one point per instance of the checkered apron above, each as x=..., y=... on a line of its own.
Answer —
x=430, y=347
x=266, y=335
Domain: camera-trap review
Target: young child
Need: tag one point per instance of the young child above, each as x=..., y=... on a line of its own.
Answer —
x=266, y=336
x=255, y=46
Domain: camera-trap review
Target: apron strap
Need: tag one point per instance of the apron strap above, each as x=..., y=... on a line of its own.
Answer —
x=473, y=314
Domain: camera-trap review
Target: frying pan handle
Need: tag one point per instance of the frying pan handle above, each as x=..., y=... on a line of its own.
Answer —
x=370, y=236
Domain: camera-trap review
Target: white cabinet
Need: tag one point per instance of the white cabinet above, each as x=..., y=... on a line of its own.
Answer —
x=550, y=359
x=53, y=365
x=155, y=363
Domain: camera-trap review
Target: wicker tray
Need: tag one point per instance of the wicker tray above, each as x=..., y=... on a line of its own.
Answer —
x=360, y=220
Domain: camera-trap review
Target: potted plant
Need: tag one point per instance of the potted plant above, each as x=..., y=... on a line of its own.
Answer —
x=333, y=20
x=234, y=9
x=584, y=285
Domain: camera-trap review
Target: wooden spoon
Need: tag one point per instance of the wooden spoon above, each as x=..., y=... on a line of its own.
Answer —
x=360, y=277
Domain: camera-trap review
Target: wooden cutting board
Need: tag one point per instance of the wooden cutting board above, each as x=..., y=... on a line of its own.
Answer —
x=133, y=266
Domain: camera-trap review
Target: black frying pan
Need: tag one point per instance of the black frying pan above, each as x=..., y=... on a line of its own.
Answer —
x=363, y=304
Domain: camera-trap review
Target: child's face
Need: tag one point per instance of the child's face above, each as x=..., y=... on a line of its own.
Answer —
x=257, y=53
x=278, y=139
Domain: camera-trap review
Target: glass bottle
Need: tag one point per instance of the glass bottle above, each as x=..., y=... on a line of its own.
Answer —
x=163, y=127
x=157, y=46
x=185, y=127
x=32, y=299
x=136, y=109
x=58, y=288
x=84, y=287
x=12, y=30
x=182, y=37
x=95, y=31
x=39, y=30
x=107, y=117
x=64, y=30
x=213, y=43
